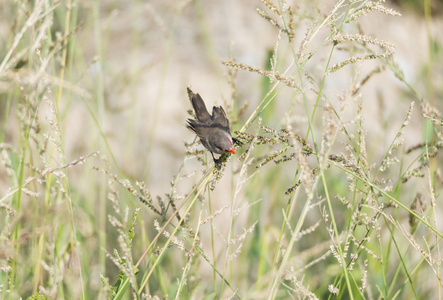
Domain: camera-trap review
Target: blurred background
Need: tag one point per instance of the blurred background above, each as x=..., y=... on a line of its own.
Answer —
x=125, y=71
x=135, y=59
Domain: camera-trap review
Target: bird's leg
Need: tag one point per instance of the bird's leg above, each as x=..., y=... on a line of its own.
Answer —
x=216, y=161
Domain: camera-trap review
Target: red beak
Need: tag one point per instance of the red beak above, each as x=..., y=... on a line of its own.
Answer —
x=232, y=150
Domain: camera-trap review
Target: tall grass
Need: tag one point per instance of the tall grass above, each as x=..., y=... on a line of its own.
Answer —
x=333, y=194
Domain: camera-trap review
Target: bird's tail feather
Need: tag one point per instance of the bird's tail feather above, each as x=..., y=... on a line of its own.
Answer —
x=200, y=108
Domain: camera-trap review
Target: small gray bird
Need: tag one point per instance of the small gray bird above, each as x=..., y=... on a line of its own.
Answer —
x=213, y=130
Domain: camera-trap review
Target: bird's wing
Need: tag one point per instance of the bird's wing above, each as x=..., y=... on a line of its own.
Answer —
x=198, y=128
x=219, y=117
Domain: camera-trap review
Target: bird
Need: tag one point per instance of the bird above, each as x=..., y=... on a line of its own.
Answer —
x=213, y=130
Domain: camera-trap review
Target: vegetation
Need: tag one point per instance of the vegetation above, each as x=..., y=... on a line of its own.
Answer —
x=333, y=193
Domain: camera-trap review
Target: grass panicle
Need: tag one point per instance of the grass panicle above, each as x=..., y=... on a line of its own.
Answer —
x=333, y=192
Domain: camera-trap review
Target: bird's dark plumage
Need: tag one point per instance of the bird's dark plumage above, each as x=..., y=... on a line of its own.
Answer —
x=213, y=130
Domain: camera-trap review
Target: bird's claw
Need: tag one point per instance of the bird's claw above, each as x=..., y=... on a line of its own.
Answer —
x=237, y=142
x=218, y=163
